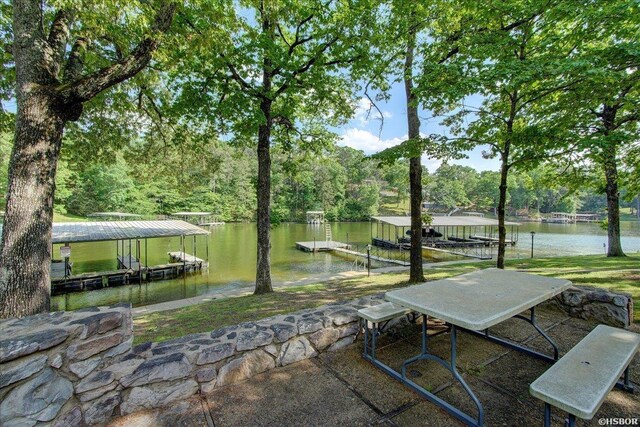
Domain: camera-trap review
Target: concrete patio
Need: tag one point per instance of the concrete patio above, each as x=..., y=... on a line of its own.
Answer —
x=341, y=389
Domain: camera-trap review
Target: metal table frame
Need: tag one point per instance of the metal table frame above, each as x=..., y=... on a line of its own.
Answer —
x=369, y=354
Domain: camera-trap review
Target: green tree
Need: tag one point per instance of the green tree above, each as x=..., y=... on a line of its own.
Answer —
x=56, y=71
x=603, y=109
x=280, y=84
x=514, y=68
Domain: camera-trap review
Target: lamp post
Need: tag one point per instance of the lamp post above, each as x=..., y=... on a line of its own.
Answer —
x=533, y=233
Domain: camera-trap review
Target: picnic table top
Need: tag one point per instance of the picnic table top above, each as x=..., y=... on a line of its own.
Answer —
x=480, y=299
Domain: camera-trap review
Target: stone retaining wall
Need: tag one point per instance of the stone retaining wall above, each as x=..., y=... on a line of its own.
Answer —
x=79, y=368
x=47, y=360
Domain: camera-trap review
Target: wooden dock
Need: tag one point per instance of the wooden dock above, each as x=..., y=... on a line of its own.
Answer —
x=321, y=246
x=373, y=257
x=57, y=269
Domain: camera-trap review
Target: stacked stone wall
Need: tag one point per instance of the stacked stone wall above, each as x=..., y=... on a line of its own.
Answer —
x=80, y=368
x=597, y=305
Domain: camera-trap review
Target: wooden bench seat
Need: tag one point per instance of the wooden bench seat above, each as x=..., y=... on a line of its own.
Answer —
x=579, y=382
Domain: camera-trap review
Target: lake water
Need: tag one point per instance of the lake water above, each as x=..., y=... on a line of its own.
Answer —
x=232, y=257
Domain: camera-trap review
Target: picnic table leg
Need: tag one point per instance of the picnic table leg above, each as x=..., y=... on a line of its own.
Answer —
x=570, y=421
x=547, y=415
x=451, y=366
x=531, y=320
x=625, y=384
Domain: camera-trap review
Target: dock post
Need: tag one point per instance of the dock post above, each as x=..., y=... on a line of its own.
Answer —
x=129, y=253
x=368, y=260
x=146, y=262
x=207, y=245
x=314, y=244
x=184, y=257
x=139, y=263
x=195, y=255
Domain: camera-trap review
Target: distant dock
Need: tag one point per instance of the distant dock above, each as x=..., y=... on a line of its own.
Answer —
x=321, y=246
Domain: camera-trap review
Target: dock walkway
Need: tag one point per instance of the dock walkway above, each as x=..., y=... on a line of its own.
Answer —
x=446, y=251
x=373, y=257
x=58, y=269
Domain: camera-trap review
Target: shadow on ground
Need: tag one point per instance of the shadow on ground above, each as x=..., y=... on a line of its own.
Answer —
x=342, y=389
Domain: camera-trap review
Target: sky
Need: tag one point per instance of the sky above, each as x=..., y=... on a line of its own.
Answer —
x=363, y=131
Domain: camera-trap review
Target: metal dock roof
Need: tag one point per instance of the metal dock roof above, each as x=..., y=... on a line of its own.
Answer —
x=114, y=214
x=68, y=232
x=442, y=221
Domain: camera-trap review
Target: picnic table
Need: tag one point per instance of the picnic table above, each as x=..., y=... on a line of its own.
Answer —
x=473, y=302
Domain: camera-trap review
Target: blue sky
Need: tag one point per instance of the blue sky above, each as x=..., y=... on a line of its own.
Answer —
x=363, y=133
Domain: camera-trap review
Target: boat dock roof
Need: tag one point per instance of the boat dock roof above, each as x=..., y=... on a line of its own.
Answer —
x=442, y=221
x=74, y=232
x=191, y=213
x=114, y=214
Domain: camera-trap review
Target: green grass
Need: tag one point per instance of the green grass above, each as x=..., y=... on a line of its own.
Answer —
x=57, y=217
x=621, y=275
x=389, y=206
x=625, y=215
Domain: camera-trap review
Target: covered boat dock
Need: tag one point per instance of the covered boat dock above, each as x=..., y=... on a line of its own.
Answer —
x=132, y=258
x=121, y=216
x=198, y=218
x=452, y=234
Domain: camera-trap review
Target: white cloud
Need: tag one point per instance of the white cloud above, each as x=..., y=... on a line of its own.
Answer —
x=366, y=141
x=364, y=112
x=369, y=143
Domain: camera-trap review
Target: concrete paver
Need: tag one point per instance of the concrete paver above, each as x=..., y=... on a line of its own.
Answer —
x=296, y=395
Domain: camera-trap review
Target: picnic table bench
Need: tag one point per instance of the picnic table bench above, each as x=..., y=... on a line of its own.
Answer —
x=579, y=382
x=379, y=316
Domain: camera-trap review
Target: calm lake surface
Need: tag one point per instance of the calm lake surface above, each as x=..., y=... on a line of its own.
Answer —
x=232, y=257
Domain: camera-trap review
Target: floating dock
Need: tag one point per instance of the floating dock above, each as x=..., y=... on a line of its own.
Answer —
x=492, y=240
x=321, y=246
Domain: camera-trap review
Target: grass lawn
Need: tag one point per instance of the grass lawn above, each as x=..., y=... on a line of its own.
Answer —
x=622, y=275
x=389, y=206
x=57, y=217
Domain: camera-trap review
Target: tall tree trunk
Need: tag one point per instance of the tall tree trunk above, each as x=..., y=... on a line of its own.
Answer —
x=415, y=166
x=610, y=166
x=502, y=201
x=25, y=254
x=263, y=267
